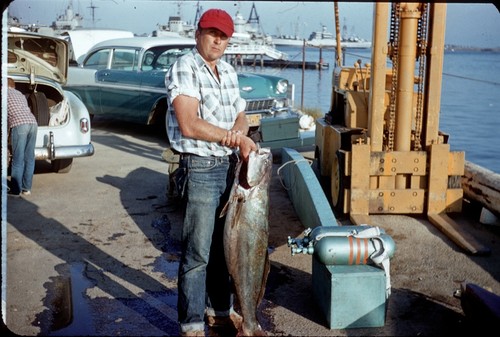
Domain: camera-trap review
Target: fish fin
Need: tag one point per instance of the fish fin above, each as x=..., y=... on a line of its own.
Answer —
x=237, y=211
x=267, y=268
x=224, y=210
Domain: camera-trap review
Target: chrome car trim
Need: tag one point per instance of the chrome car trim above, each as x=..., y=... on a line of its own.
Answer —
x=62, y=152
x=84, y=125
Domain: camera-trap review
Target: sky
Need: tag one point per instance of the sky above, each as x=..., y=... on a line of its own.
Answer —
x=468, y=24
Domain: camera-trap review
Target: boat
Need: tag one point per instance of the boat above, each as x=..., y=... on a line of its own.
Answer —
x=244, y=31
x=248, y=38
x=69, y=20
x=326, y=39
x=322, y=39
x=288, y=41
x=176, y=26
x=14, y=25
x=249, y=31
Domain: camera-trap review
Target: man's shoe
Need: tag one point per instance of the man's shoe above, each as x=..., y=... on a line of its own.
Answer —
x=26, y=192
x=233, y=320
x=13, y=194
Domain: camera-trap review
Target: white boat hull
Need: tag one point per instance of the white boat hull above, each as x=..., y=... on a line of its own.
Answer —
x=327, y=43
x=288, y=42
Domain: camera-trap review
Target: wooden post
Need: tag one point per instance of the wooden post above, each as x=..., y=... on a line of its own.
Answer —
x=320, y=63
x=303, y=72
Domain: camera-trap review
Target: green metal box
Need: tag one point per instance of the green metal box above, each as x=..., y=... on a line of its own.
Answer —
x=351, y=296
x=276, y=128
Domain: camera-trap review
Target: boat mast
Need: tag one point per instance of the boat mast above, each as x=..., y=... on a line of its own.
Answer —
x=199, y=9
x=92, y=10
x=254, y=18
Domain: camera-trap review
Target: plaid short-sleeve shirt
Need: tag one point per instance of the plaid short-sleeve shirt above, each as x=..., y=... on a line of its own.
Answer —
x=219, y=101
x=18, y=111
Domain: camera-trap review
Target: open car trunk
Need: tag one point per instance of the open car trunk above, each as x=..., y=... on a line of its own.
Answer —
x=46, y=103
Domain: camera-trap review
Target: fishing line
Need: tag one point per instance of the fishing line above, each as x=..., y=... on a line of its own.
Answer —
x=310, y=162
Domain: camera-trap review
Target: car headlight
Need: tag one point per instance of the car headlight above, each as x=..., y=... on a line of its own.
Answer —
x=282, y=86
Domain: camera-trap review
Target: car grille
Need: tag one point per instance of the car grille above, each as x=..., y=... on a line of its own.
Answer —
x=259, y=105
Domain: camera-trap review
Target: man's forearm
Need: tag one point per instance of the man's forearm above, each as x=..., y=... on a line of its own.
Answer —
x=241, y=123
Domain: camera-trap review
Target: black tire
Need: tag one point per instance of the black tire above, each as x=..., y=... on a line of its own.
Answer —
x=39, y=106
x=159, y=121
x=324, y=180
x=339, y=183
x=317, y=157
x=62, y=165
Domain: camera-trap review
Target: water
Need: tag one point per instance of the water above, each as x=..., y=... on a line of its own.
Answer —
x=470, y=100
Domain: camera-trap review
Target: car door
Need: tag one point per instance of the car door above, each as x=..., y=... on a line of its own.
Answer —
x=83, y=82
x=120, y=86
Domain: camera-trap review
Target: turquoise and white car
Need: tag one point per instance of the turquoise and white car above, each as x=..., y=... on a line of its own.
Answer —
x=38, y=65
x=125, y=79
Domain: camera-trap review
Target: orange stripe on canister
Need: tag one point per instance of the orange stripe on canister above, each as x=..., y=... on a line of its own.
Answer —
x=350, y=250
x=358, y=247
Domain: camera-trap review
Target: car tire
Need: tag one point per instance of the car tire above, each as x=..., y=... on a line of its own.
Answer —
x=39, y=106
x=339, y=183
x=62, y=165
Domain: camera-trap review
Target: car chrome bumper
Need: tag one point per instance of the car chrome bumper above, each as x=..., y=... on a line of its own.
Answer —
x=62, y=152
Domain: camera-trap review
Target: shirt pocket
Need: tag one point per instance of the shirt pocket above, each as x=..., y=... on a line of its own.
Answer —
x=211, y=106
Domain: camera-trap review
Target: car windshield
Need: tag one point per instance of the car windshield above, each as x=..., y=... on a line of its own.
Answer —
x=163, y=57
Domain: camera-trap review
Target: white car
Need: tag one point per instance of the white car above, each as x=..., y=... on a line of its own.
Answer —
x=39, y=65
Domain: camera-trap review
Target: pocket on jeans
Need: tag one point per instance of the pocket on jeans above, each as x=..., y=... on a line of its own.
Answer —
x=201, y=164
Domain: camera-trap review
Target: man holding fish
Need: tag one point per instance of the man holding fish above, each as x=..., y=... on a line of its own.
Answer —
x=206, y=125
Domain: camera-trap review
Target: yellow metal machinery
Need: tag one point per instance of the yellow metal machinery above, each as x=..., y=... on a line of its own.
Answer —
x=380, y=143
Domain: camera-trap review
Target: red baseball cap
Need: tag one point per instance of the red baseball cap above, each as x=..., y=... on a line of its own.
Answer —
x=217, y=18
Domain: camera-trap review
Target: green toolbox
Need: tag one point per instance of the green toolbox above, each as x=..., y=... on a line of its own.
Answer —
x=276, y=128
x=350, y=296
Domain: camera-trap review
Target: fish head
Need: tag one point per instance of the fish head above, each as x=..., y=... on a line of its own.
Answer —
x=260, y=165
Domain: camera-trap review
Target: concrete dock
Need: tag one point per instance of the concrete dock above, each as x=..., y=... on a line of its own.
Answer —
x=95, y=252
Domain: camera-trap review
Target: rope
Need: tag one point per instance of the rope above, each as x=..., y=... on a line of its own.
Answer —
x=472, y=79
x=289, y=162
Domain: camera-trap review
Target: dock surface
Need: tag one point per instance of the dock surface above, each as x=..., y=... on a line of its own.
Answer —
x=95, y=252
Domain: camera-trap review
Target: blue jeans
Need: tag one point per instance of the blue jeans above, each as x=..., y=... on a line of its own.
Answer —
x=23, y=140
x=203, y=279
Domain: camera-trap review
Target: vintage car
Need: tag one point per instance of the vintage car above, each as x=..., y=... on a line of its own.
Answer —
x=81, y=40
x=38, y=65
x=125, y=79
